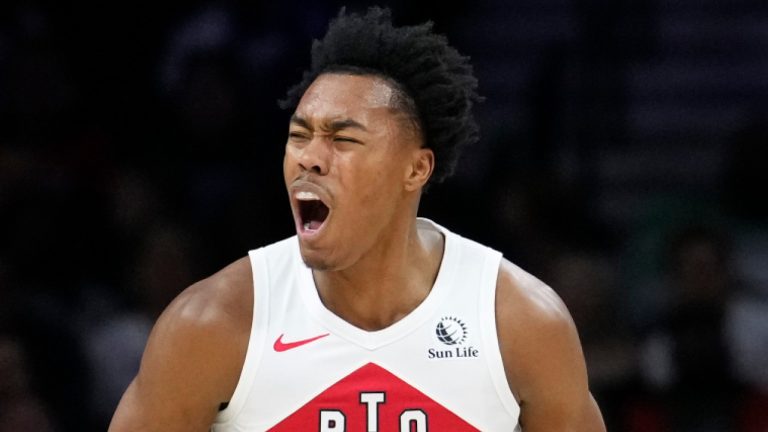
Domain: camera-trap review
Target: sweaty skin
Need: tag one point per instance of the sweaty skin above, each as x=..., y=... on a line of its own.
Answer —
x=350, y=145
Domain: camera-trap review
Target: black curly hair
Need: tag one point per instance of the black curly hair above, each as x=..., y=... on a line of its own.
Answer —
x=437, y=86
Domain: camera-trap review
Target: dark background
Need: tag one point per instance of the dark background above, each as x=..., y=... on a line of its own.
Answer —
x=622, y=161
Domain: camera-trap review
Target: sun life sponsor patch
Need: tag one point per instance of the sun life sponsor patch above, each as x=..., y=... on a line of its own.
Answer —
x=453, y=334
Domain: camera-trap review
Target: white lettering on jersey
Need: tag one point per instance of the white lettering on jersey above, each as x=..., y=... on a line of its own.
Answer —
x=372, y=401
x=413, y=416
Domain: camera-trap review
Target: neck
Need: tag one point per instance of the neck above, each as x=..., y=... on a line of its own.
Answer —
x=388, y=282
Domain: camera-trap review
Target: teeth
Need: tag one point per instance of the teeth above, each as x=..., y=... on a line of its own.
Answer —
x=306, y=196
x=306, y=226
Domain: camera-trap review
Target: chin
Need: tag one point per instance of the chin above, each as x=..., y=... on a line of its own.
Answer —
x=316, y=264
x=320, y=261
x=316, y=261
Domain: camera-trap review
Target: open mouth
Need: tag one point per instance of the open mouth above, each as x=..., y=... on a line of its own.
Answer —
x=312, y=211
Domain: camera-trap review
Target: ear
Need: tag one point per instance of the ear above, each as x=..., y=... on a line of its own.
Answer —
x=420, y=169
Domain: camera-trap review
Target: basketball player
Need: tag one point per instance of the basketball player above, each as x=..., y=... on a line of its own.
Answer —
x=369, y=319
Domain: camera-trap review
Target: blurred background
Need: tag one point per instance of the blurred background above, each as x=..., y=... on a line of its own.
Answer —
x=623, y=161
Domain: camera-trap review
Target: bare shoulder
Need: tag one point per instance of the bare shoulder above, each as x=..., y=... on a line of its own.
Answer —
x=524, y=297
x=224, y=299
x=220, y=305
x=542, y=355
x=193, y=357
x=526, y=307
x=533, y=324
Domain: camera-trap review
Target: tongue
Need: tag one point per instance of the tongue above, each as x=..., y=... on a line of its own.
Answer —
x=314, y=224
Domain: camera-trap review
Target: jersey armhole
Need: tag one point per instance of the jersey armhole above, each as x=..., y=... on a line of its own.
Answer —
x=255, y=340
x=494, y=359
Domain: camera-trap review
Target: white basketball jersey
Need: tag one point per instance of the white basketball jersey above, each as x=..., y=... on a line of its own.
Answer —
x=437, y=369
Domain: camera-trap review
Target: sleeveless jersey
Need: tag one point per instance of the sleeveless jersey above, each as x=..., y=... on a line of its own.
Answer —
x=437, y=369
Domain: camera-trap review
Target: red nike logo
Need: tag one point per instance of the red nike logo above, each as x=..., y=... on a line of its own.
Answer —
x=281, y=346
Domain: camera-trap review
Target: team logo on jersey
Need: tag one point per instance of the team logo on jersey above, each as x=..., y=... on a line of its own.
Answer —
x=453, y=332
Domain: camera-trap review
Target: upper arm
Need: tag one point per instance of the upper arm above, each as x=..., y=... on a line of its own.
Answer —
x=542, y=356
x=191, y=363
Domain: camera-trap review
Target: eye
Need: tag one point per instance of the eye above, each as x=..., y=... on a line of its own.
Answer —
x=297, y=136
x=346, y=139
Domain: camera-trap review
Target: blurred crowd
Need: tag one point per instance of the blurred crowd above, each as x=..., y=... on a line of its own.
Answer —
x=141, y=150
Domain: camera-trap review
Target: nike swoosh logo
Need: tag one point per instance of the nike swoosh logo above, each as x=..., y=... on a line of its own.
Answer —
x=281, y=346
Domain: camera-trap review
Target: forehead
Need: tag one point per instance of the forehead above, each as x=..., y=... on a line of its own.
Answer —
x=344, y=95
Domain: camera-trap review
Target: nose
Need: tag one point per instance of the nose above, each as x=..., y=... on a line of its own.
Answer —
x=315, y=156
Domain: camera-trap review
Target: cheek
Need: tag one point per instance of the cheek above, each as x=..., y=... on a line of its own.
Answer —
x=375, y=184
x=288, y=162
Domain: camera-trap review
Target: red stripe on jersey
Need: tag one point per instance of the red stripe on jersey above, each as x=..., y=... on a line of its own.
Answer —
x=400, y=397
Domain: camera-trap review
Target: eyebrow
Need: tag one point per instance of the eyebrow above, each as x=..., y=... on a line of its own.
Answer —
x=334, y=125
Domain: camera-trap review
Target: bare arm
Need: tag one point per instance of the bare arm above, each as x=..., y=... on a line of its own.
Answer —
x=193, y=358
x=542, y=356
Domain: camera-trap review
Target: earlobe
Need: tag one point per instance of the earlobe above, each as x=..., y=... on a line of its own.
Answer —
x=420, y=169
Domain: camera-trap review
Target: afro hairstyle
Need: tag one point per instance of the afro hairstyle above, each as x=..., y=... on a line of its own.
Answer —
x=436, y=80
